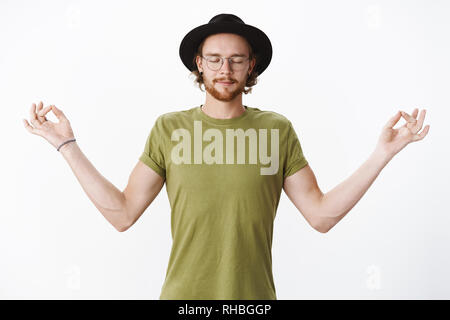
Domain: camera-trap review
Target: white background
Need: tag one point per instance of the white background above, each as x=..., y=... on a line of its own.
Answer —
x=340, y=70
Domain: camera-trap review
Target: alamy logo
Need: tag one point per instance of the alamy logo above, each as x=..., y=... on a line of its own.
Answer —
x=181, y=153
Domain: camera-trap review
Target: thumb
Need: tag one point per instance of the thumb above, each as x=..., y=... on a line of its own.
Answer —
x=58, y=113
x=393, y=120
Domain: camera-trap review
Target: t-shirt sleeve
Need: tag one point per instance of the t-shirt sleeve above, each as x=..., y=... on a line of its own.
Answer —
x=153, y=155
x=295, y=160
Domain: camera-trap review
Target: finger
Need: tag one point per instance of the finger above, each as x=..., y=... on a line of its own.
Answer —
x=422, y=135
x=58, y=113
x=39, y=107
x=44, y=111
x=29, y=127
x=38, y=110
x=33, y=117
x=414, y=113
x=393, y=120
x=32, y=110
x=408, y=118
x=419, y=123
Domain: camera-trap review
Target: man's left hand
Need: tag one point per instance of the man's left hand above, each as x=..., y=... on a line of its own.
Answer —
x=392, y=140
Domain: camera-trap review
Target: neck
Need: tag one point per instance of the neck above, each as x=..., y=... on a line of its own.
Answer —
x=223, y=109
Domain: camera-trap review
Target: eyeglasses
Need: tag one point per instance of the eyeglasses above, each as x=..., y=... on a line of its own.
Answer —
x=215, y=62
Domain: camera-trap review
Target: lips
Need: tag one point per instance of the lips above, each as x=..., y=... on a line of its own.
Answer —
x=225, y=82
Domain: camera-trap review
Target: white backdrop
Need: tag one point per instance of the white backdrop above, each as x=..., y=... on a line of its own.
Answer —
x=340, y=70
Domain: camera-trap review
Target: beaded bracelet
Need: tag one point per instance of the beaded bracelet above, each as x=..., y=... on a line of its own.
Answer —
x=65, y=143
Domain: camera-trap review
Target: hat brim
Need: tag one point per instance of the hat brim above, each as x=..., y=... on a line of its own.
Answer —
x=257, y=39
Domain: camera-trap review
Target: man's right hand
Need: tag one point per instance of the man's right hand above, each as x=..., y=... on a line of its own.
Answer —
x=54, y=132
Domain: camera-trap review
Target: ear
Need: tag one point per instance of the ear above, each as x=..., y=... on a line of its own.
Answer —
x=199, y=61
x=252, y=65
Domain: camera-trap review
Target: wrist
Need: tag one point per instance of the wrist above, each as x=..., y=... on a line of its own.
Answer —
x=381, y=156
x=67, y=147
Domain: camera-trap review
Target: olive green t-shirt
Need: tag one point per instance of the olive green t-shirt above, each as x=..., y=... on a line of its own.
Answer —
x=223, y=179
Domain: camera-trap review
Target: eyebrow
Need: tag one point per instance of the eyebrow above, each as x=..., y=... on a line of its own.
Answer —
x=217, y=54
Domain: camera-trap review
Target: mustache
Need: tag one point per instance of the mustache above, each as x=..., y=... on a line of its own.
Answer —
x=225, y=80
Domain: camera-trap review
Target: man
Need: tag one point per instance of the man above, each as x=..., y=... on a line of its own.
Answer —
x=224, y=165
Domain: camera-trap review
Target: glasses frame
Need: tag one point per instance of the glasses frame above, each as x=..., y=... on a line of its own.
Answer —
x=221, y=62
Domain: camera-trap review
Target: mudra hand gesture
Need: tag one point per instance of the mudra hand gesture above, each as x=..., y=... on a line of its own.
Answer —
x=54, y=132
x=392, y=140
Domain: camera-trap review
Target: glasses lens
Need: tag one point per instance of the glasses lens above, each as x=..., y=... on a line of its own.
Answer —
x=214, y=63
x=237, y=63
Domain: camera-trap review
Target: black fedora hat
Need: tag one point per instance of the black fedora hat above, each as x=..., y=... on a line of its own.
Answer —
x=226, y=23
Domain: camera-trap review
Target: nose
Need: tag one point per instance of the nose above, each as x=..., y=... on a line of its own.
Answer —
x=226, y=66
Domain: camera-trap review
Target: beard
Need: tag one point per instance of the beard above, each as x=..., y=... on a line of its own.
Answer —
x=225, y=93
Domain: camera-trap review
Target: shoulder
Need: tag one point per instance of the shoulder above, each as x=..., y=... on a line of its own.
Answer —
x=275, y=118
x=168, y=121
x=175, y=116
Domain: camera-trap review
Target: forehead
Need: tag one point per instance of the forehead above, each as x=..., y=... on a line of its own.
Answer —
x=225, y=43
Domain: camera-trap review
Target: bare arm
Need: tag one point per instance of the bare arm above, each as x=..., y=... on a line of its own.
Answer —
x=121, y=209
x=143, y=186
x=323, y=211
x=302, y=189
x=109, y=200
x=337, y=202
